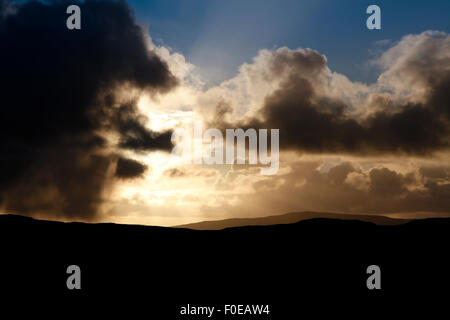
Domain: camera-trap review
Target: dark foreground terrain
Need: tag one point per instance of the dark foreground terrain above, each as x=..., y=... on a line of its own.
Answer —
x=316, y=265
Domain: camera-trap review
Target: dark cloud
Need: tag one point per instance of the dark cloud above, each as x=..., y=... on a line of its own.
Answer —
x=52, y=157
x=339, y=173
x=62, y=183
x=386, y=182
x=129, y=168
x=310, y=123
x=311, y=120
x=134, y=135
x=433, y=172
x=6, y=8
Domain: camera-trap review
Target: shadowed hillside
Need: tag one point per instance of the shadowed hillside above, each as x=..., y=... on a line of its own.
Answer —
x=156, y=270
x=289, y=218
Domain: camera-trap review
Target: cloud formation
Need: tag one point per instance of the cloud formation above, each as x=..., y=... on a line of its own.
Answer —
x=406, y=111
x=58, y=89
x=346, y=186
x=129, y=169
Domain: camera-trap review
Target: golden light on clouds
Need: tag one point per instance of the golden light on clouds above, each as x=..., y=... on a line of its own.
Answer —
x=172, y=192
x=345, y=146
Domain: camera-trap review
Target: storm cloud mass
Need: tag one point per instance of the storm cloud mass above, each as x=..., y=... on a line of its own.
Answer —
x=407, y=111
x=56, y=88
x=128, y=168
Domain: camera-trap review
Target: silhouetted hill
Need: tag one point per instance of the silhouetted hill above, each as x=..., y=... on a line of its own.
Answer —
x=316, y=265
x=289, y=218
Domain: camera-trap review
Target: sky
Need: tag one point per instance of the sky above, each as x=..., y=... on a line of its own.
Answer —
x=88, y=116
x=218, y=36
